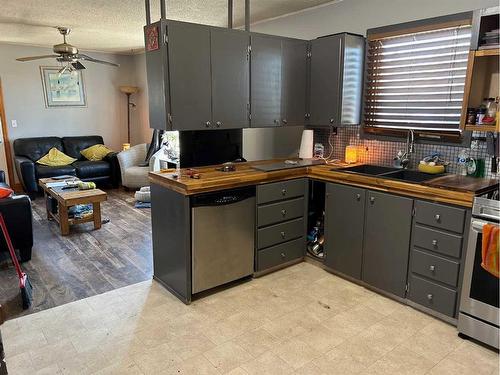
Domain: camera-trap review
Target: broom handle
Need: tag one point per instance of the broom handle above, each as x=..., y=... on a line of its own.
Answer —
x=11, y=248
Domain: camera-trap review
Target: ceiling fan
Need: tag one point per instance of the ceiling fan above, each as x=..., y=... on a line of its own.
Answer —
x=67, y=55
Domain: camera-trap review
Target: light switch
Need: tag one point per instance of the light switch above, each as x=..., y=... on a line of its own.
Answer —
x=14, y=123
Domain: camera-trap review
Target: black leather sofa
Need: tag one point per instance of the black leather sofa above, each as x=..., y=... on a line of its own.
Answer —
x=16, y=212
x=28, y=150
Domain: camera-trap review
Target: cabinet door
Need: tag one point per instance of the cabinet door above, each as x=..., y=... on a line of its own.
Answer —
x=294, y=76
x=266, y=87
x=326, y=57
x=344, y=221
x=189, y=58
x=387, y=241
x=230, y=78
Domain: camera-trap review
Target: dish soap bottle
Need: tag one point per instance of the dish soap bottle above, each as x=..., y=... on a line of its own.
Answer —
x=462, y=161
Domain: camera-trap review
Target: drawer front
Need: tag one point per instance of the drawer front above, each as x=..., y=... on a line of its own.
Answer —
x=435, y=240
x=281, y=211
x=279, y=254
x=433, y=296
x=435, y=267
x=281, y=190
x=279, y=233
x=440, y=216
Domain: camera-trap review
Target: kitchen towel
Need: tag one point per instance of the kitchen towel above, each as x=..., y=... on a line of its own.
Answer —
x=306, y=144
x=490, y=249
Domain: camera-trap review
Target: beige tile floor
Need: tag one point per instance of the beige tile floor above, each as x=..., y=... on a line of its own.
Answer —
x=300, y=320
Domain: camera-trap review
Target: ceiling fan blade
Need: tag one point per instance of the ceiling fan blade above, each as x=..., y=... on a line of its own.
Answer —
x=35, y=57
x=78, y=65
x=91, y=59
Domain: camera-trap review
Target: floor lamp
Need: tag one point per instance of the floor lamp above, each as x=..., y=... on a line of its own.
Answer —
x=128, y=90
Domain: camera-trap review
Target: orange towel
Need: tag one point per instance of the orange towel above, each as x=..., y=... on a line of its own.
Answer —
x=489, y=249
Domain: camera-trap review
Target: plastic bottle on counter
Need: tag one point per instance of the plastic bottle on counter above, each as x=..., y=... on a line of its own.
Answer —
x=462, y=162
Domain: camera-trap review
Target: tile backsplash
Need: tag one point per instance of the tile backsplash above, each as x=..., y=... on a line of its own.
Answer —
x=383, y=152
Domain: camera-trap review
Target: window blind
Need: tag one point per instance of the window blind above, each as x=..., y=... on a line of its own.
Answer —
x=417, y=80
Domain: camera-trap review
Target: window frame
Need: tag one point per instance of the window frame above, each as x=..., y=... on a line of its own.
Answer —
x=459, y=137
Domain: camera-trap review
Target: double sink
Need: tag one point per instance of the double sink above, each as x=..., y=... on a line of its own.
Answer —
x=389, y=172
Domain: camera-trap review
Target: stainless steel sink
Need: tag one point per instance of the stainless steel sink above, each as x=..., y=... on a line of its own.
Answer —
x=372, y=170
x=389, y=172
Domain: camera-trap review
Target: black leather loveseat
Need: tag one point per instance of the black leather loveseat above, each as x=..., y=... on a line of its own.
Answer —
x=28, y=150
x=16, y=211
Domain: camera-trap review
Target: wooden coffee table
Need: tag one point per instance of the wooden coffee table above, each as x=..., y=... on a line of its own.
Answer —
x=71, y=197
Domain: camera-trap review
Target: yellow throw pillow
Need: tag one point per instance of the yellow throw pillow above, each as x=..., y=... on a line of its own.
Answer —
x=95, y=152
x=55, y=158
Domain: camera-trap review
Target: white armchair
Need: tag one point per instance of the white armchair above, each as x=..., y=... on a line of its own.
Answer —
x=133, y=174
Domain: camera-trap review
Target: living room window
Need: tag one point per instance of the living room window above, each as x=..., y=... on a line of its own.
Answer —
x=415, y=78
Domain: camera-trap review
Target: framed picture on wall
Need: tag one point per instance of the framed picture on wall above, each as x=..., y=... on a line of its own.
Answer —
x=64, y=89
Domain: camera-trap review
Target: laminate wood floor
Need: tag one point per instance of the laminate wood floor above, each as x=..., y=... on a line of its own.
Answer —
x=85, y=263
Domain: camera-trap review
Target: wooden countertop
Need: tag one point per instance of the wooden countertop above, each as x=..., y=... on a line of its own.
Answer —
x=453, y=189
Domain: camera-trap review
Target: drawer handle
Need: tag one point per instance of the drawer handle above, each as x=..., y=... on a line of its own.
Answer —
x=437, y=217
x=283, y=235
x=207, y=124
x=430, y=297
x=434, y=243
x=358, y=197
x=283, y=212
x=372, y=199
x=283, y=256
x=432, y=268
x=283, y=191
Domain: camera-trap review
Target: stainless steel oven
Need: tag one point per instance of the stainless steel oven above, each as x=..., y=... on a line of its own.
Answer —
x=479, y=314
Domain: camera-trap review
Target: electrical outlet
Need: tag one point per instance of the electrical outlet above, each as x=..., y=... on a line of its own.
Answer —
x=14, y=123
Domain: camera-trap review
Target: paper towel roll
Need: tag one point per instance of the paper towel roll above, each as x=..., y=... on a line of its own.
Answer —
x=306, y=144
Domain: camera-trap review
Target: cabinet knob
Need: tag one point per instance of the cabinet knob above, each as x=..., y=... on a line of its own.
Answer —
x=372, y=199
x=283, y=235
x=430, y=297
x=358, y=197
x=432, y=268
x=283, y=212
x=285, y=121
x=434, y=243
x=331, y=121
x=283, y=191
x=283, y=256
x=218, y=124
x=437, y=217
x=276, y=121
x=207, y=124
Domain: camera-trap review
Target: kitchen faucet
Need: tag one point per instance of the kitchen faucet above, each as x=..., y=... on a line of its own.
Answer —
x=402, y=159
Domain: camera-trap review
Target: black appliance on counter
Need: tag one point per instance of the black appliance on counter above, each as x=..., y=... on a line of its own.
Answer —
x=200, y=147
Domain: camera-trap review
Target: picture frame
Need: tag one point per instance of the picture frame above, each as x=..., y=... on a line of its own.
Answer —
x=65, y=89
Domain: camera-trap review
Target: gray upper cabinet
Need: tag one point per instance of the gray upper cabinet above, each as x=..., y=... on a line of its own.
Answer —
x=387, y=241
x=336, y=80
x=294, y=82
x=266, y=81
x=190, y=77
x=344, y=221
x=230, y=78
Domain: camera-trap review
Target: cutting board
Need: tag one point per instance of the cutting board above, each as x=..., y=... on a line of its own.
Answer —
x=464, y=183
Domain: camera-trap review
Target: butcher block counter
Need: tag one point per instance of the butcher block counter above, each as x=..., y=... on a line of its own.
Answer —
x=449, y=188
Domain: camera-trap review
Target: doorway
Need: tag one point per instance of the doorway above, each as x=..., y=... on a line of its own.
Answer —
x=5, y=151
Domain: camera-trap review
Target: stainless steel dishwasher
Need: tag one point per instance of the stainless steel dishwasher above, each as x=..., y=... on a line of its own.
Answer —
x=223, y=225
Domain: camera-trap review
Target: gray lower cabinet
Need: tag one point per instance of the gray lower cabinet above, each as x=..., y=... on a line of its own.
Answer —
x=436, y=257
x=230, y=78
x=344, y=222
x=281, y=223
x=386, y=245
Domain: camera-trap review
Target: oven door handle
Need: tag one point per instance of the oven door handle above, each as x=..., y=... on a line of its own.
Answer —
x=477, y=225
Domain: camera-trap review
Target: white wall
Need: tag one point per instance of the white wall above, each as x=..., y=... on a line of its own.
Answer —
x=104, y=115
x=356, y=16
x=140, y=130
